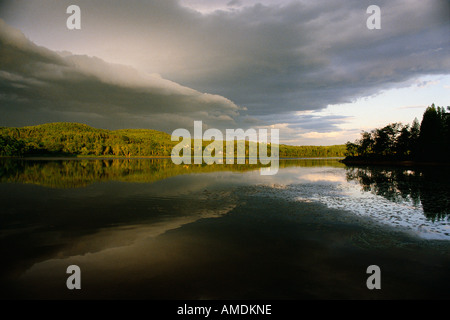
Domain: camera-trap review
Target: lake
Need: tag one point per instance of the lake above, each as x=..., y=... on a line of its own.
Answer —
x=149, y=229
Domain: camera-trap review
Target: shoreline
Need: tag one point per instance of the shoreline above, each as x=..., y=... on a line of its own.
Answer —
x=41, y=157
x=62, y=157
x=401, y=163
x=343, y=160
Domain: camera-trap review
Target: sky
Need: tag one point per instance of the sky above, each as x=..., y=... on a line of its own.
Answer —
x=309, y=68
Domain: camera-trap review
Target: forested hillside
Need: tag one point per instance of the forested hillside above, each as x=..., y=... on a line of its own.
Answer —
x=79, y=139
x=74, y=139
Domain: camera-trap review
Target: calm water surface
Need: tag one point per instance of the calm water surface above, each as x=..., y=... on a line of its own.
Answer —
x=149, y=229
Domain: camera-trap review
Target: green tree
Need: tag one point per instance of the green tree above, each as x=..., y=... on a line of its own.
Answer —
x=431, y=130
x=403, y=144
x=385, y=139
x=365, y=144
x=414, y=137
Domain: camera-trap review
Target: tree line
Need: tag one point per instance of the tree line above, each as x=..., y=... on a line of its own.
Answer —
x=74, y=139
x=64, y=138
x=427, y=141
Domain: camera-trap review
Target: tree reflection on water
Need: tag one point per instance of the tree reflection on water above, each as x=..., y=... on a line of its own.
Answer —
x=426, y=186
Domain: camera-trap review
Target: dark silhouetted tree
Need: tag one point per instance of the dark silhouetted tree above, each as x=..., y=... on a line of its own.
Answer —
x=431, y=134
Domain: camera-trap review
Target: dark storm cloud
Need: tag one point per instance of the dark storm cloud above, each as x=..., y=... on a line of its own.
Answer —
x=234, y=3
x=309, y=122
x=304, y=57
x=274, y=60
x=318, y=123
x=40, y=85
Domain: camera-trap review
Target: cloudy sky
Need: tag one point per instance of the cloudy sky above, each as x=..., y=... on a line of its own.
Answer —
x=310, y=68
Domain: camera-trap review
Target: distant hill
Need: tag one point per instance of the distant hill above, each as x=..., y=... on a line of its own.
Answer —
x=76, y=139
x=65, y=138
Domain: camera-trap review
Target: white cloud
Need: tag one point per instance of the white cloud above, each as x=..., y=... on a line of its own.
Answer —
x=321, y=135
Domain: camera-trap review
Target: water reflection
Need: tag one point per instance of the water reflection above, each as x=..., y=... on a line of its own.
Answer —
x=425, y=186
x=69, y=208
x=81, y=173
x=145, y=228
